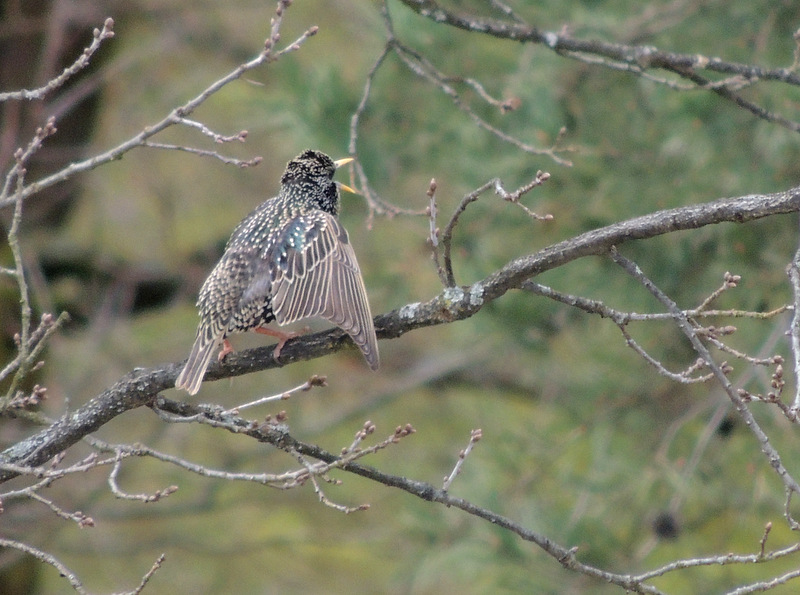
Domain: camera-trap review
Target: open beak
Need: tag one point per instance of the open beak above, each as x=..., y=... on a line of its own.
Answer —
x=339, y=163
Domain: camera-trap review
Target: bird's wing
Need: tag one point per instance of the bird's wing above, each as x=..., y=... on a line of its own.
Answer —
x=314, y=272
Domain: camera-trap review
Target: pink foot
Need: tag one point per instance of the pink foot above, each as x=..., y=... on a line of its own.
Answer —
x=226, y=349
x=282, y=337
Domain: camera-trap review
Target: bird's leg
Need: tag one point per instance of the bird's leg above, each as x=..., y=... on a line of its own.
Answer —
x=226, y=349
x=282, y=337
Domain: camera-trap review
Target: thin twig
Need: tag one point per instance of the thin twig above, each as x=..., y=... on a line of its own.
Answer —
x=99, y=36
x=634, y=59
x=312, y=382
x=772, y=455
x=205, y=153
x=376, y=204
x=447, y=235
x=17, y=173
x=423, y=68
x=366, y=430
x=794, y=327
x=514, y=197
x=766, y=585
x=216, y=137
x=79, y=517
x=497, y=184
x=267, y=55
x=474, y=437
x=68, y=574
x=149, y=574
x=433, y=237
x=115, y=489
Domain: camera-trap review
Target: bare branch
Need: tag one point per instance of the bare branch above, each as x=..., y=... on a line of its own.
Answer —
x=772, y=455
x=99, y=36
x=68, y=574
x=631, y=58
x=115, y=489
x=73, y=580
x=216, y=137
x=375, y=203
x=474, y=437
x=423, y=68
x=149, y=574
x=433, y=237
x=447, y=235
x=27, y=357
x=513, y=197
x=176, y=116
x=205, y=153
x=306, y=386
x=794, y=328
x=767, y=585
x=27, y=349
x=79, y=517
x=142, y=386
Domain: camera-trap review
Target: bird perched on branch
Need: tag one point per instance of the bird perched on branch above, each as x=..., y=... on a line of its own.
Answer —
x=288, y=260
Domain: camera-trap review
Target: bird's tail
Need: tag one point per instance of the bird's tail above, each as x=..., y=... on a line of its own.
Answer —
x=191, y=377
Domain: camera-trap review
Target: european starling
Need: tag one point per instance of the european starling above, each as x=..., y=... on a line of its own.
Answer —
x=288, y=260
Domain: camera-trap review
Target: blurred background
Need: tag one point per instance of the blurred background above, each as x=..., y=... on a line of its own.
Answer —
x=583, y=441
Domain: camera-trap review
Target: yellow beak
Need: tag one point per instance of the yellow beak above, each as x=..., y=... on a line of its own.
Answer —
x=339, y=163
x=346, y=187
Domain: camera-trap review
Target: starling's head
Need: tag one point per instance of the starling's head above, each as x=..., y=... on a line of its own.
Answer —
x=309, y=177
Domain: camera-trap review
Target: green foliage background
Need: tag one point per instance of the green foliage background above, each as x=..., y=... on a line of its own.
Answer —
x=583, y=441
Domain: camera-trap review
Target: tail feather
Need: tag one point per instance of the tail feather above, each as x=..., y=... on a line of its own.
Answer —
x=191, y=377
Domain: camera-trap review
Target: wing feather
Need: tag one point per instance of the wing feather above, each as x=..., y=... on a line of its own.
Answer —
x=317, y=275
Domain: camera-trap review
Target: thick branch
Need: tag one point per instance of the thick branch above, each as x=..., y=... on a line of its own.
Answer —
x=141, y=386
x=599, y=241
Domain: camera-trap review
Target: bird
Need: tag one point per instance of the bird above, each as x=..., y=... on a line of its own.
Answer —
x=288, y=260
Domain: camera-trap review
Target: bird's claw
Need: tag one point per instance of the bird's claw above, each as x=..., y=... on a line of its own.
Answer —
x=226, y=349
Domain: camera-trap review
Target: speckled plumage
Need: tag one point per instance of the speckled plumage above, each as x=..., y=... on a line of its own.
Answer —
x=288, y=260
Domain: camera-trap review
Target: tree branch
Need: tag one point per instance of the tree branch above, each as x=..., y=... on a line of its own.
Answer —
x=636, y=59
x=176, y=116
x=142, y=385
